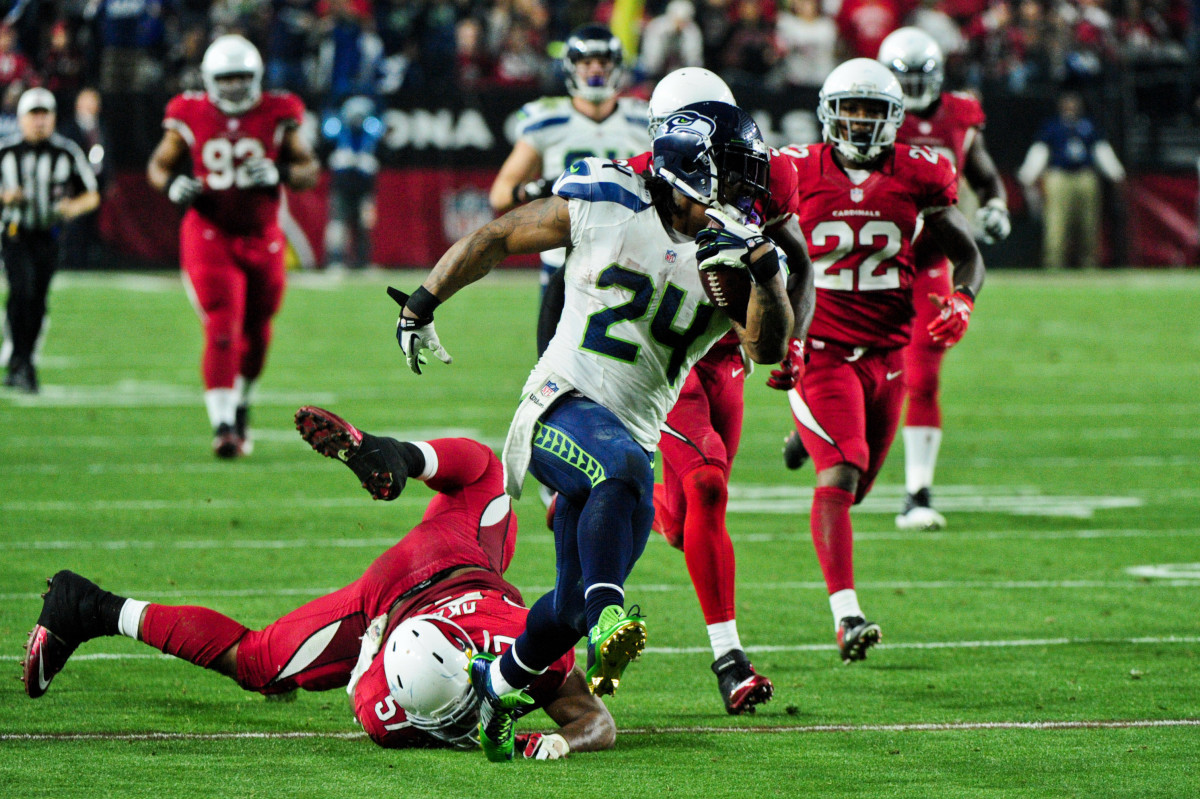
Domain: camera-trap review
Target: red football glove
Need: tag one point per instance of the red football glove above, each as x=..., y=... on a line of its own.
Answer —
x=537, y=746
x=952, y=322
x=791, y=368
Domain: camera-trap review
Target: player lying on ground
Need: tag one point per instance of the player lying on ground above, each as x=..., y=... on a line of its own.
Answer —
x=398, y=639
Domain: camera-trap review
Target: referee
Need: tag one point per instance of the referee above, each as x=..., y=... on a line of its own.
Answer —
x=45, y=179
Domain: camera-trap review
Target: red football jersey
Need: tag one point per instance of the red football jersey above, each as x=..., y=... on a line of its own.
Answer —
x=221, y=144
x=860, y=239
x=949, y=130
x=489, y=611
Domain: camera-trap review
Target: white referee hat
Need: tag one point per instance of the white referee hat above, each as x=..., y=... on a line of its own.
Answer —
x=35, y=99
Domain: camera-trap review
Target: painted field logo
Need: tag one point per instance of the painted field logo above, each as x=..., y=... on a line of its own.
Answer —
x=549, y=389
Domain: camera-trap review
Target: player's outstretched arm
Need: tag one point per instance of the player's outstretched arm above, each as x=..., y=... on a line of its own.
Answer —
x=769, y=319
x=952, y=233
x=302, y=167
x=984, y=179
x=803, y=296
x=167, y=160
x=518, y=179
x=584, y=722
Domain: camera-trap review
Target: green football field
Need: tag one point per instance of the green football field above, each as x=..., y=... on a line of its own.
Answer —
x=1046, y=645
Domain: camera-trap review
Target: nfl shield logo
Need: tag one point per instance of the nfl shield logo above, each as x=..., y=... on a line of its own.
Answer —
x=671, y=256
x=549, y=389
x=856, y=195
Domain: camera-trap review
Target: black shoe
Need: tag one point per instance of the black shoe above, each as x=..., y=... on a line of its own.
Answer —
x=918, y=513
x=855, y=636
x=22, y=376
x=226, y=443
x=380, y=463
x=241, y=428
x=69, y=617
x=794, y=453
x=741, y=686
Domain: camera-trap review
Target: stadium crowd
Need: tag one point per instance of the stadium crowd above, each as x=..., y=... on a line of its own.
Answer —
x=328, y=50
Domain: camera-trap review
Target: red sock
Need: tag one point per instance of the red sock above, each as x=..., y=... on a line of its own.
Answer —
x=833, y=536
x=706, y=545
x=196, y=634
x=663, y=521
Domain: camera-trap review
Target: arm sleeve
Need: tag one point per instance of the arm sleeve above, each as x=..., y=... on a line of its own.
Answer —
x=1107, y=161
x=83, y=169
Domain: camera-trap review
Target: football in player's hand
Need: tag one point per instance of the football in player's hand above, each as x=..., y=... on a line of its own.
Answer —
x=728, y=287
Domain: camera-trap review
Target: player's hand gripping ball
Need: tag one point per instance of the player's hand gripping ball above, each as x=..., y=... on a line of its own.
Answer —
x=722, y=256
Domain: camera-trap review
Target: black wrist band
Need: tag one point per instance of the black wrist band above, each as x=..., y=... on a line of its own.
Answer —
x=285, y=171
x=965, y=290
x=422, y=303
x=766, y=267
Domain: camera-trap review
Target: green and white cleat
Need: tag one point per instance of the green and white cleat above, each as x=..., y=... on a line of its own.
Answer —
x=497, y=713
x=616, y=641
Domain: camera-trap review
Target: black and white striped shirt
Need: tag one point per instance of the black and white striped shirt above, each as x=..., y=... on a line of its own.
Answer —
x=46, y=172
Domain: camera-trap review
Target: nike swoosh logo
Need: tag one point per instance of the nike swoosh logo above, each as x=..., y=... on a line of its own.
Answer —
x=894, y=375
x=737, y=371
x=43, y=683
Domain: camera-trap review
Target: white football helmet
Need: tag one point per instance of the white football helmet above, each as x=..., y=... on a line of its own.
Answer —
x=915, y=58
x=684, y=87
x=425, y=662
x=861, y=140
x=232, y=56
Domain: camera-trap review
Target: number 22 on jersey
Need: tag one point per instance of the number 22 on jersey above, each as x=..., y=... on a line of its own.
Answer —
x=856, y=260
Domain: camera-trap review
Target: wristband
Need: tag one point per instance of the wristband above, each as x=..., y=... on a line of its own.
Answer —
x=766, y=267
x=422, y=303
x=966, y=292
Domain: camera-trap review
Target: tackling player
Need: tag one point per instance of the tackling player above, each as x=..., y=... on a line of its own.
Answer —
x=224, y=155
x=555, y=132
x=636, y=320
x=704, y=427
x=398, y=638
x=863, y=199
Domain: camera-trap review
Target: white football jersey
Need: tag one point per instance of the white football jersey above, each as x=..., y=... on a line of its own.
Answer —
x=635, y=318
x=562, y=135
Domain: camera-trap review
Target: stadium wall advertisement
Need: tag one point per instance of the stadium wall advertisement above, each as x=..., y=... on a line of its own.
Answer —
x=440, y=155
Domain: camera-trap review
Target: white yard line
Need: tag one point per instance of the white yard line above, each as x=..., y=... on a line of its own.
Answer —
x=962, y=726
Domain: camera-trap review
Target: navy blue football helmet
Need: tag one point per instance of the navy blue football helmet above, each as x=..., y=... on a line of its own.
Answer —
x=593, y=41
x=713, y=153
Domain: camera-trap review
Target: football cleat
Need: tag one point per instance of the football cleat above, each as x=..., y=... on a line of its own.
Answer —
x=918, y=515
x=62, y=626
x=226, y=443
x=855, y=635
x=616, y=641
x=794, y=453
x=378, y=462
x=22, y=376
x=497, y=712
x=741, y=686
x=241, y=427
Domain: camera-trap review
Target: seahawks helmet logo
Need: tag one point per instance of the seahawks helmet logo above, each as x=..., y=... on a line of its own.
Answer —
x=689, y=122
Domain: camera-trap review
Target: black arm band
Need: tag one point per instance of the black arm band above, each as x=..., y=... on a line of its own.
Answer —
x=285, y=172
x=422, y=303
x=766, y=267
x=965, y=290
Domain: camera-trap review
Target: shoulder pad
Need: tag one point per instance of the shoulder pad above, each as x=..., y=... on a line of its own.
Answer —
x=597, y=180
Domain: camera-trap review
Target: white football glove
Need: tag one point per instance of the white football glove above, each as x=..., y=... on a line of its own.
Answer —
x=993, y=220
x=184, y=189
x=371, y=641
x=261, y=172
x=415, y=339
x=537, y=746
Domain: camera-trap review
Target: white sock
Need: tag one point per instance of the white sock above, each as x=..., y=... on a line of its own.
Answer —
x=844, y=603
x=243, y=388
x=921, y=446
x=222, y=406
x=499, y=684
x=131, y=618
x=724, y=638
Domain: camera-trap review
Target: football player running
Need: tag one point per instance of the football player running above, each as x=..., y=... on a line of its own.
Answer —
x=951, y=124
x=703, y=429
x=863, y=200
x=636, y=320
x=555, y=132
x=224, y=155
x=398, y=639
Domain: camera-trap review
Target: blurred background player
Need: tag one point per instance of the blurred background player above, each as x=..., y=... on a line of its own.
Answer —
x=950, y=124
x=45, y=180
x=240, y=146
x=593, y=407
x=398, y=638
x=555, y=132
x=862, y=200
x=353, y=134
x=704, y=427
